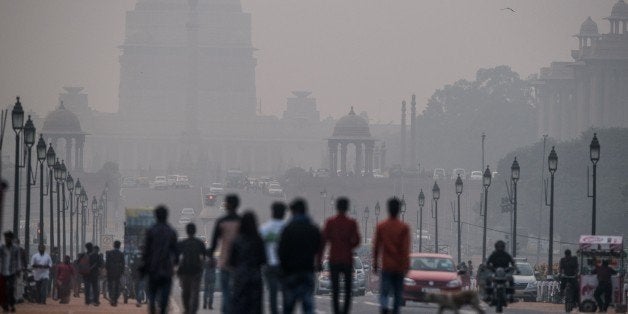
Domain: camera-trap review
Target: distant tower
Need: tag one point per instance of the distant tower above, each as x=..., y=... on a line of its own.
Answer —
x=191, y=101
x=403, y=134
x=413, y=128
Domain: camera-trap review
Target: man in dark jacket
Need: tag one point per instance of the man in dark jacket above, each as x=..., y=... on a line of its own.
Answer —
x=114, y=265
x=299, y=244
x=92, y=289
x=190, y=269
x=160, y=256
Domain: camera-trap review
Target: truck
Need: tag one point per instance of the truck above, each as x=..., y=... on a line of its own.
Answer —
x=137, y=221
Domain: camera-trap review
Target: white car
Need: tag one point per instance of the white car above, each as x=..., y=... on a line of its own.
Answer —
x=185, y=220
x=159, y=183
x=217, y=188
x=275, y=190
x=439, y=173
x=187, y=212
x=476, y=175
x=183, y=182
x=172, y=179
x=458, y=171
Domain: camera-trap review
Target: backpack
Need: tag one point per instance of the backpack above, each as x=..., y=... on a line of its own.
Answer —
x=83, y=265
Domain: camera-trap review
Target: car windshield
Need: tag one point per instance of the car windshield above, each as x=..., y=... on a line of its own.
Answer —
x=432, y=264
x=525, y=269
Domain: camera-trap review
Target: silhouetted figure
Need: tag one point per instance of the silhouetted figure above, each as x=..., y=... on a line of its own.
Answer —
x=247, y=257
x=41, y=264
x=341, y=232
x=604, y=285
x=225, y=231
x=568, y=266
x=190, y=269
x=392, y=244
x=88, y=267
x=270, y=232
x=209, y=278
x=10, y=266
x=159, y=258
x=115, y=268
x=65, y=272
x=299, y=244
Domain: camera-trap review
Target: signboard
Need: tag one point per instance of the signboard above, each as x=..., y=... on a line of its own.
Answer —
x=106, y=242
x=600, y=242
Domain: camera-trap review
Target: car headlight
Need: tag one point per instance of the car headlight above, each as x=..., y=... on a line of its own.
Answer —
x=409, y=282
x=454, y=283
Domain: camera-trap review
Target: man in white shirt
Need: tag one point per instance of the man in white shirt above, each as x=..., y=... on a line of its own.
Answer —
x=270, y=232
x=41, y=263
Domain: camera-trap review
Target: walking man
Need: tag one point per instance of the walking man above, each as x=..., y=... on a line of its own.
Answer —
x=89, y=264
x=209, y=278
x=160, y=256
x=341, y=232
x=190, y=269
x=225, y=231
x=10, y=266
x=299, y=244
x=115, y=267
x=41, y=263
x=270, y=232
x=392, y=245
x=604, y=285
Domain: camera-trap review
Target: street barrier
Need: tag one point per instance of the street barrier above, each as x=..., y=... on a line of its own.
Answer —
x=548, y=291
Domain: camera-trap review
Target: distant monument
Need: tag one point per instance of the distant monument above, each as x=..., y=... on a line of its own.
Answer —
x=351, y=129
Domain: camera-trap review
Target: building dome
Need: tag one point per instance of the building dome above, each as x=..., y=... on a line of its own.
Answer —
x=589, y=28
x=352, y=125
x=620, y=10
x=62, y=121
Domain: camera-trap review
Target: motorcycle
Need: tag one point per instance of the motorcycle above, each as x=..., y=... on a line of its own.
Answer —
x=500, y=288
x=571, y=292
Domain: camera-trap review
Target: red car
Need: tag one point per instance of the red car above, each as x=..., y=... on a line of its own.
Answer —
x=430, y=273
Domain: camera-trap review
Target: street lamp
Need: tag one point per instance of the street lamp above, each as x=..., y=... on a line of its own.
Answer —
x=366, y=222
x=459, y=192
x=324, y=197
x=58, y=178
x=95, y=211
x=486, y=182
x=435, y=196
x=377, y=209
x=63, y=174
x=41, y=157
x=102, y=214
x=83, y=216
x=514, y=176
x=77, y=192
x=403, y=208
x=50, y=161
x=29, y=141
x=70, y=185
x=594, y=154
x=552, y=163
x=420, y=219
x=17, y=121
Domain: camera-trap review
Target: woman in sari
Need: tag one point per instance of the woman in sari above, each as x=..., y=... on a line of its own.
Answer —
x=65, y=273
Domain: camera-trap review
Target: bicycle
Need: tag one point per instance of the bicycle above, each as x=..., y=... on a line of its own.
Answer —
x=571, y=299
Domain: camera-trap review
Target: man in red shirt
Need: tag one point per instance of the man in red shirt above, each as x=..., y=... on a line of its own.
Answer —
x=341, y=232
x=392, y=244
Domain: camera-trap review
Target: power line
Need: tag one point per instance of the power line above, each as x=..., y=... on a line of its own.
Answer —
x=518, y=235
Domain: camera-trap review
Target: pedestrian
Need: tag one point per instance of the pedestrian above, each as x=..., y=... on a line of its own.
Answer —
x=190, y=269
x=138, y=279
x=392, y=245
x=65, y=272
x=10, y=266
x=159, y=258
x=299, y=244
x=76, y=280
x=209, y=282
x=247, y=257
x=115, y=268
x=19, y=280
x=341, y=232
x=41, y=264
x=604, y=285
x=225, y=231
x=88, y=267
x=270, y=232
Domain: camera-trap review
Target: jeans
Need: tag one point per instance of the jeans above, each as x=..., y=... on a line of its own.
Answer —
x=190, y=286
x=347, y=272
x=113, y=285
x=391, y=282
x=208, y=288
x=9, y=282
x=225, y=285
x=158, y=292
x=606, y=289
x=92, y=290
x=272, y=276
x=42, y=290
x=298, y=286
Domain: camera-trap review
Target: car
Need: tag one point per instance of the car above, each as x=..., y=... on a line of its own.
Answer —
x=210, y=199
x=439, y=173
x=160, y=183
x=475, y=175
x=184, y=220
x=217, y=188
x=430, y=273
x=458, y=171
x=183, y=182
x=358, y=287
x=322, y=173
x=172, y=179
x=274, y=189
x=525, y=281
x=187, y=212
x=129, y=182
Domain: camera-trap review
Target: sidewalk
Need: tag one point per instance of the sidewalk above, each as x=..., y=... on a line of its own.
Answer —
x=77, y=306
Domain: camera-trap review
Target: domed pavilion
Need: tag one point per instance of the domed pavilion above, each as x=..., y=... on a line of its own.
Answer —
x=351, y=129
x=63, y=124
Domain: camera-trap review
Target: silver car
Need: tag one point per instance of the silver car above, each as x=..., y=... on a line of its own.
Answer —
x=323, y=284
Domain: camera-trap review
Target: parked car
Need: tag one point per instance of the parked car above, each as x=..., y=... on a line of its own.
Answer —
x=358, y=287
x=322, y=173
x=217, y=188
x=184, y=220
x=274, y=189
x=430, y=273
x=439, y=173
x=476, y=175
x=160, y=183
x=172, y=180
x=458, y=171
x=183, y=182
x=187, y=212
x=129, y=182
x=525, y=281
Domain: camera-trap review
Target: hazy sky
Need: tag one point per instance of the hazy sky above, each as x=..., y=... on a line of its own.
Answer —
x=367, y=53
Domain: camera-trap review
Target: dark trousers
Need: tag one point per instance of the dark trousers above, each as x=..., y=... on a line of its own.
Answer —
x=209, y=285
x=225, y=285
x=272, y=277
x=606, y=289
x=158, y=294
x=92, y=290
x=190, y=290
x=9, y=282
x=113, y=285
x=298, y=287
x=42, y=290
x=391, y=282
x=347, y=272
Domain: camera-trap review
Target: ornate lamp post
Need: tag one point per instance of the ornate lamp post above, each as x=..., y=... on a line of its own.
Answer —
x=58, y=178
x=552, y=163
x=594, y=154
x=420, y=219
x=41, y=157
x=94, y=221
x=435, y=196
x=29, y=141
x=324, y=197
x=50, y=161
x=459, y=192
x=403, y=208
x=83, y=199
x=102, y=214
x=377, y=209
x=63, y=174
x=514, y=176
x=366, y=223
x=70, y=186
x=486, y=182
x=17, y=121
x=77, y=194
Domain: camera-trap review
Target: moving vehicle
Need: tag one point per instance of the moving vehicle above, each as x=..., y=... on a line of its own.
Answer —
x=500, y=284
x=274, y=189
x=592, y=251
x=160, y=183
x=458, y=171
x=358, y=286
x=430, y=273
x=172, y=180
x=217, y=188
x=183, y=182
x=129, y=182
x=188, y=212
x=184, y=220
x=210, y=199
x=476, y=175
x=322, y=173
x=235, y=179
x=439, y=173
x=525, y=281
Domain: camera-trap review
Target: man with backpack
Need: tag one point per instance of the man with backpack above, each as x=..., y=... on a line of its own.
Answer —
x=89, y=266
x=114, y=265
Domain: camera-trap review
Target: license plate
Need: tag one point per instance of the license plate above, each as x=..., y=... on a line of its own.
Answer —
x=430, y=290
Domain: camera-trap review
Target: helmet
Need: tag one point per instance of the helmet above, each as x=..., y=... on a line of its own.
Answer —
x=500, y=245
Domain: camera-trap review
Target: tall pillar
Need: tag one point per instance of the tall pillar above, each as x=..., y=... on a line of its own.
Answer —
x=368, y=160
x=333, y=149
x=68, y=151
x=382, y=157
x=343, y=158
x=413, y=127
x=76, y=154
x=594, y=100
x=403, y=135
x=358, y=159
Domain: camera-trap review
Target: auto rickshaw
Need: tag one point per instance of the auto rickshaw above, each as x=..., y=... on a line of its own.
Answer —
x=593, y=249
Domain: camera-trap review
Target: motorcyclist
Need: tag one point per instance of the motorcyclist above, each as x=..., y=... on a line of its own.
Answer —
x=501, y=258
x=568, y=266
